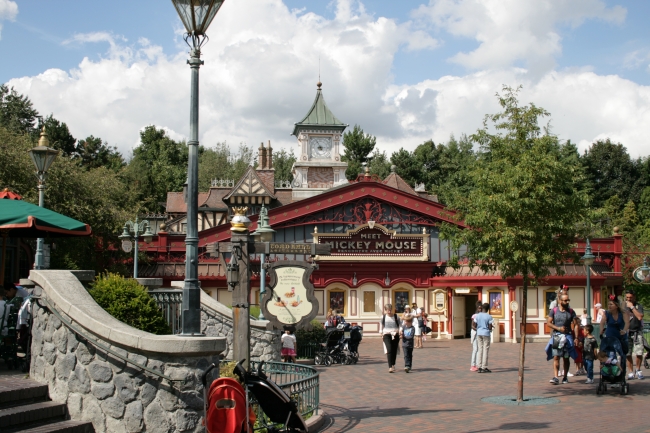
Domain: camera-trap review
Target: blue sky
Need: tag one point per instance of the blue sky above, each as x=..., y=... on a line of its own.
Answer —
x=406, y=71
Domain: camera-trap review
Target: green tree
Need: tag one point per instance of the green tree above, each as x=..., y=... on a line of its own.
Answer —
x=379, y=164
x=220, y=162
x=610, y=171
x=93, y=153
x=60, y=136
x=159, y=165
x=357, y=146
x=408, y=166
x=283, y=162
x=525, y=204
x=17, y=112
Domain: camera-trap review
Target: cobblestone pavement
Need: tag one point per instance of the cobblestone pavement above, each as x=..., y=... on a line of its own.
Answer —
x=441, y=394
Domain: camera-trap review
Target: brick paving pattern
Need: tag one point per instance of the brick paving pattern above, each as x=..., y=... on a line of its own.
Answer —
x=441, y=394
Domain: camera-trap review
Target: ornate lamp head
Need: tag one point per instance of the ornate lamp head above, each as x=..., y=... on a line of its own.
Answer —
x=240, y=221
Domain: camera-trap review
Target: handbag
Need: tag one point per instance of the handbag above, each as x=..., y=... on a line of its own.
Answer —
x=557, y=337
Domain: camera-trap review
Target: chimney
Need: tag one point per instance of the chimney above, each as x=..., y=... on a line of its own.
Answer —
x=261, y=163
x=265, y=169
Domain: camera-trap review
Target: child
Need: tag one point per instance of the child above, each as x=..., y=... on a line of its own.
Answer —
x=407, y=332
x=579, y=345
x=589, y=347
x=289, y=346
x=609, y=359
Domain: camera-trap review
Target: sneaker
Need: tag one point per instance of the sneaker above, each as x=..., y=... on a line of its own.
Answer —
x=480, y=370
x=589, y=381
x=487, y=370
x=630, y=376
x=474, y=368
x=565, y=380
x=583, y=371
x=560, y=373
x=407, y=369
x=577, y=373
x=639, y=375
x=569, y=374
x=555, y=381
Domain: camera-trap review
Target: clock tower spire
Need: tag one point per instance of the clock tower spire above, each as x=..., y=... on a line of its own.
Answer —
x=319, y=166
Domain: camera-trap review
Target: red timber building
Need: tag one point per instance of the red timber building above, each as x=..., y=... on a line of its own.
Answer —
x=385, y=243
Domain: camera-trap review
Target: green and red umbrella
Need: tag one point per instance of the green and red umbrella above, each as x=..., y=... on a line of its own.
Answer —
x=25, y=220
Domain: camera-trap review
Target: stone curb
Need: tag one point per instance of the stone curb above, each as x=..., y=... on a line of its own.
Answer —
x=315, y=423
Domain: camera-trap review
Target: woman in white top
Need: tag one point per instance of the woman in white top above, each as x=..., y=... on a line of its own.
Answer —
x=389, y=330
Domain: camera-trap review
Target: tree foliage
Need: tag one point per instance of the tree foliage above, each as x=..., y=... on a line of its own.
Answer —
x=220, y=162
x=525, y=203
x=357, y=147
x=17, y=113
x=129, y=302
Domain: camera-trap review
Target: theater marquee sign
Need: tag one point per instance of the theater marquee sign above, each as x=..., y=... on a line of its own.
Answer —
x=374, y=242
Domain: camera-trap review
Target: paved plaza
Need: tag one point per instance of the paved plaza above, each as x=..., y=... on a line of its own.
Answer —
x=441, y=394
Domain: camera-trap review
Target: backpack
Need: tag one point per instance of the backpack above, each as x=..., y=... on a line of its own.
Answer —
x=226, y=408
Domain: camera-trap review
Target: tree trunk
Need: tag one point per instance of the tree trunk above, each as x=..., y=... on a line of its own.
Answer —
x=522, y=347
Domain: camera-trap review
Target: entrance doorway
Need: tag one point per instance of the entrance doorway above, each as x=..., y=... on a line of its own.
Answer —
x=470, y=309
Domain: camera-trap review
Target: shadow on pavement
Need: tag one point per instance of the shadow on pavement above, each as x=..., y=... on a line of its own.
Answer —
x=523, y=426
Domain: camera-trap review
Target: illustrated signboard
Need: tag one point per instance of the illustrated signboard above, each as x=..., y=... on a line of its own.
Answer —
x=289, y=299
x=639, y=277
x=374, y=242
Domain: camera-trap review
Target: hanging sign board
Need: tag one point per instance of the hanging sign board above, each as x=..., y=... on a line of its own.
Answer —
x=289, y=299
x=127, y=246
x=639, y=277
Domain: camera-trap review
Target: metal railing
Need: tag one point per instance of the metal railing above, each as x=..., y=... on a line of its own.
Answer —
x=170, y=302
x=307, y=350
x=300, y=382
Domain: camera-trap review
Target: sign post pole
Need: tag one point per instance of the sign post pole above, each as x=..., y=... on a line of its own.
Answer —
x=514, y=306
x=438, y=337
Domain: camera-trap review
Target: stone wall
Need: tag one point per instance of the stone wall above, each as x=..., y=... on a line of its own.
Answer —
x=216, y=321
x=102, y=388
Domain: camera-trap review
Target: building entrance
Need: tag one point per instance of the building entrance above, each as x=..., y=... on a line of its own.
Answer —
x=470, y=309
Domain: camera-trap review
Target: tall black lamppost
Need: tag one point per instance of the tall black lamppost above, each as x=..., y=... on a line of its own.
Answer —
x=43, y=157
x=196, y=16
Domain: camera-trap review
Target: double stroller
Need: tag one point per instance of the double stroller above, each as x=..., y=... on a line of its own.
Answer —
x=341, y=346
x=612, y=366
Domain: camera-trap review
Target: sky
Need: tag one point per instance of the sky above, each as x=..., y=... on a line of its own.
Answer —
x=406, y=71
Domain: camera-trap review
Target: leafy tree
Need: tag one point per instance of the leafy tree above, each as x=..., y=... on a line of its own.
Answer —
x=93, y=153
x=525, y=204
x=283, y=162
x=159, y=165
x=407, y=166
x=610, y=171
x=129, y=302
x=17, y=113
x=379, y=164
x=220, y=162
x=59, y=136
x=455, y=160
x=357, y=147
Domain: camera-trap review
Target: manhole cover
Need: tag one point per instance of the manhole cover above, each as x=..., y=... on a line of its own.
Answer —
x=511, y=400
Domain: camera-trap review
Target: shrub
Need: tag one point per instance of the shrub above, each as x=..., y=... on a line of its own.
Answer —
x=316, y=335
x=129, y=302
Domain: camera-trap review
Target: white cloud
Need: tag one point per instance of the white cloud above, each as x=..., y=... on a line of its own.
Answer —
x=8, y=11
x=261, y=67
x=508, y=31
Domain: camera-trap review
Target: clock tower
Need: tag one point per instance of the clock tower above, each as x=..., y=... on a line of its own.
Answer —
x=319, y=166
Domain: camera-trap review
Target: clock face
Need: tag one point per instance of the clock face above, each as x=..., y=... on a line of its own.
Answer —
x=321, y=147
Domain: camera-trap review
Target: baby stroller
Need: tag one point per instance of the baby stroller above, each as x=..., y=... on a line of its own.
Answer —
x=8, y=333
x=351, y=340
x=332, y=349
x=277, y=407
x=612, y=370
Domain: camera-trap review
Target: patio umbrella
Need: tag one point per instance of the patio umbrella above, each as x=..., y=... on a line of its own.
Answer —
x=25, y=220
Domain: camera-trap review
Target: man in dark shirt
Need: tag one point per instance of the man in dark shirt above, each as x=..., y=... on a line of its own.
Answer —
x=559, y=320
x=635, y=335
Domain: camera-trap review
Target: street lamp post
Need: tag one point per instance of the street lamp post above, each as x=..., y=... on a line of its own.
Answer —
x=265, y=234
x=196, y=16
x=43, y=157
x=133, y=230
x=588, y=260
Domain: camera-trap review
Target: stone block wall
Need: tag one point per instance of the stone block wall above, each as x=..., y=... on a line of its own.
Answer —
x=265, y=345
x=114, y=395
x=320, y=177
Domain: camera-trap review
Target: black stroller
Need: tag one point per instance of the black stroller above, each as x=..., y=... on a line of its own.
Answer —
x=331, y=350
x=610, y=372
x=351, y=339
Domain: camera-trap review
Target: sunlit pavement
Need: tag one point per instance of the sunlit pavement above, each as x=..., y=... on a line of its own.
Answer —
x=441, y=394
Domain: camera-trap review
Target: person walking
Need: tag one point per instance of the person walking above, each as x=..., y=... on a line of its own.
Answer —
x=589, y=352
x=389, y=330
x=484, y=323
x=560, y=319
x=635, y=336
x=473, y=366
x=289, y=346
x=407, y=332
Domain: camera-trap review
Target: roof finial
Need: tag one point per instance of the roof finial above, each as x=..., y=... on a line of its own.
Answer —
x=393, y=168
x=319, y=84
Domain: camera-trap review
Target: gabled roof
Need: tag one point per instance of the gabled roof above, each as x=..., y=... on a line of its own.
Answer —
x=319, y=115
x=250, y=185
x=397, y=182
x=214, y=199
x=176, y=202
